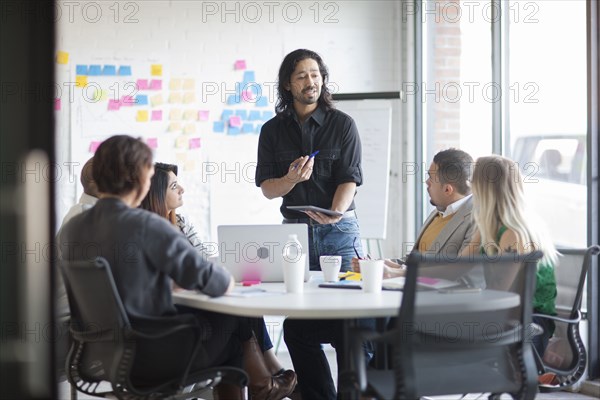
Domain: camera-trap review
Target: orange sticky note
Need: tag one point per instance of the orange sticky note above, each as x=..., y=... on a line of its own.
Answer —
x=174, y=126
x=156, y=100
x=156, y=70
x=189, y=84
x=62, y=57
x=190, y=115
x=175, y=84
x=175, y=115
x=189, y=128
x=189, y=97
x=175, y=97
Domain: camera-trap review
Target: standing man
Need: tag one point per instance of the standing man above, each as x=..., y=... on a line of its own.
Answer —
x=307, y=122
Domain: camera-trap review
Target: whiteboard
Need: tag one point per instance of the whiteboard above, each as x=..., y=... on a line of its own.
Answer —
x=374, y=122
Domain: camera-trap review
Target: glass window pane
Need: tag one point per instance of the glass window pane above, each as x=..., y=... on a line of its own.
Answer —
x=547, y=111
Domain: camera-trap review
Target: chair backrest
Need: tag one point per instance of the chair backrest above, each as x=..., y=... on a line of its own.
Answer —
x=565, y=352
x=492, y=327
x=571, y=271
x=99, y=324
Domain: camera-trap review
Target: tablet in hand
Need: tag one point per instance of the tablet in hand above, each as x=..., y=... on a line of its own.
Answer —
x=317, y=209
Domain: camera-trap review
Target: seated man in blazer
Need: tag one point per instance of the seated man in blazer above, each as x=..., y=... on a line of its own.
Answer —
x=446, y=231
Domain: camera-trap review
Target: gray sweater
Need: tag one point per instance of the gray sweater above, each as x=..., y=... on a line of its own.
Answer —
x=145, y=252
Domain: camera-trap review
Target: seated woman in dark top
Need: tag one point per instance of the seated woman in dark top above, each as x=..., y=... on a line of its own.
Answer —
x=164, y=198
x=146, y=254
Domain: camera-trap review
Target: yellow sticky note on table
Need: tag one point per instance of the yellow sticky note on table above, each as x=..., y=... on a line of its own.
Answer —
x=175, y=84
x=189, y=97
x=62, y=57
x=81, y=81
x=156, y=70
x=142, y=116
x=156, y=100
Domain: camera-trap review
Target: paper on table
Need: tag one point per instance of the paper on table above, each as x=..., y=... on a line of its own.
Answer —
x=422, y=282
x=250, y=292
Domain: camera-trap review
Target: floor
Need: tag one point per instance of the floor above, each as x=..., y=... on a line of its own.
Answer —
x=274, y=325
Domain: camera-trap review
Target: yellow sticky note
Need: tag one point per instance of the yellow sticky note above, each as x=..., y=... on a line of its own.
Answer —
x=142, y=116
x=156, y=100
x=175, y=114
x=181, y=142
x=156, y=70
x=100, y=95
x=62, y=57
x=175, y=97
x=189, y=128
x=174, y=127
x=181, y=157
x=81, y=81
x=189, y=84
x=189, y=165
x=190, y=115
x=189, y=97
x=175, y=84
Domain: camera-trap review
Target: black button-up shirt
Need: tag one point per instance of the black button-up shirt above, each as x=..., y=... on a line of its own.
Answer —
x=333, y=133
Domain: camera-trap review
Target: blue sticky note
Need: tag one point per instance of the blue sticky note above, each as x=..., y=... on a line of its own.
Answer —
x=243, y=114
x=95, y=70
x=233, y=131
x=109, y=70
x=141, y=100
x=226, y=114
x=254, y=115
x=258, y=127
x=248, y=76
x=248, y=128
x=125, y=70
x=262, y=101
x=267, y=115
x=233, y=99
x=81, y=70
x=218, y=126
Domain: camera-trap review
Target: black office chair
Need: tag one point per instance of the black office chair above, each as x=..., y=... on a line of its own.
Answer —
x=107, y=344
x=474, y=350
x=566, y=356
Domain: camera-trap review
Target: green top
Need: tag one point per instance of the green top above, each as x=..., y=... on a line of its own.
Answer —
x=544, y=297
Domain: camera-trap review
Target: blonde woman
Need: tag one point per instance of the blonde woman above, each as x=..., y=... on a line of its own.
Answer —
x=504, y=225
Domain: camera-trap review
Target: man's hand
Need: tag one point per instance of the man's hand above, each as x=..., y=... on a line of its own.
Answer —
x=300, y=169
x=322, y=218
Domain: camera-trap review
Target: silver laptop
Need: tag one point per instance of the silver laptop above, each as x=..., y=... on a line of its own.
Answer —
x=255, y=252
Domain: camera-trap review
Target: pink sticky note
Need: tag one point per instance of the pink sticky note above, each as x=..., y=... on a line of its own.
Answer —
x=240, y=64
x=203, y=115
x=156, y=84
x=114, y=105
x=94, y=146
x=248, y=95
x=142, y=84
x=235, y=121
x=156, y=115
x=56, y=104
x=195, y=143
x=152, y=143
x=127, y=101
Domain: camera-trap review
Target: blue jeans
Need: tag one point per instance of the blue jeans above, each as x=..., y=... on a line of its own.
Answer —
x=334, y=240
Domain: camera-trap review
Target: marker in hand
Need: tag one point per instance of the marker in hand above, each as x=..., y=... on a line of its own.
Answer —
x=309, y=157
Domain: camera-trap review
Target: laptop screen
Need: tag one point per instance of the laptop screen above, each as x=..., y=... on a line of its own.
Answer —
x=256, y=252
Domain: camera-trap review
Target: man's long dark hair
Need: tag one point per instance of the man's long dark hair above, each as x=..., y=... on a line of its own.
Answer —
x=288, y=65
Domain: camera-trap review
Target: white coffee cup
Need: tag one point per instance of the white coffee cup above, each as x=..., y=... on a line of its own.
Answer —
x=293, y=274
x=371, y=272
x=330, y=265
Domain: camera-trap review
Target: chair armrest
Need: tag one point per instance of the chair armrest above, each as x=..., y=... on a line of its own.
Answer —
x=560, y=319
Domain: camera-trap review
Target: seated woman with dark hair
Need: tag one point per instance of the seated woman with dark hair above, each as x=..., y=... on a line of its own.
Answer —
x=146, y=254
x=164, y=198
